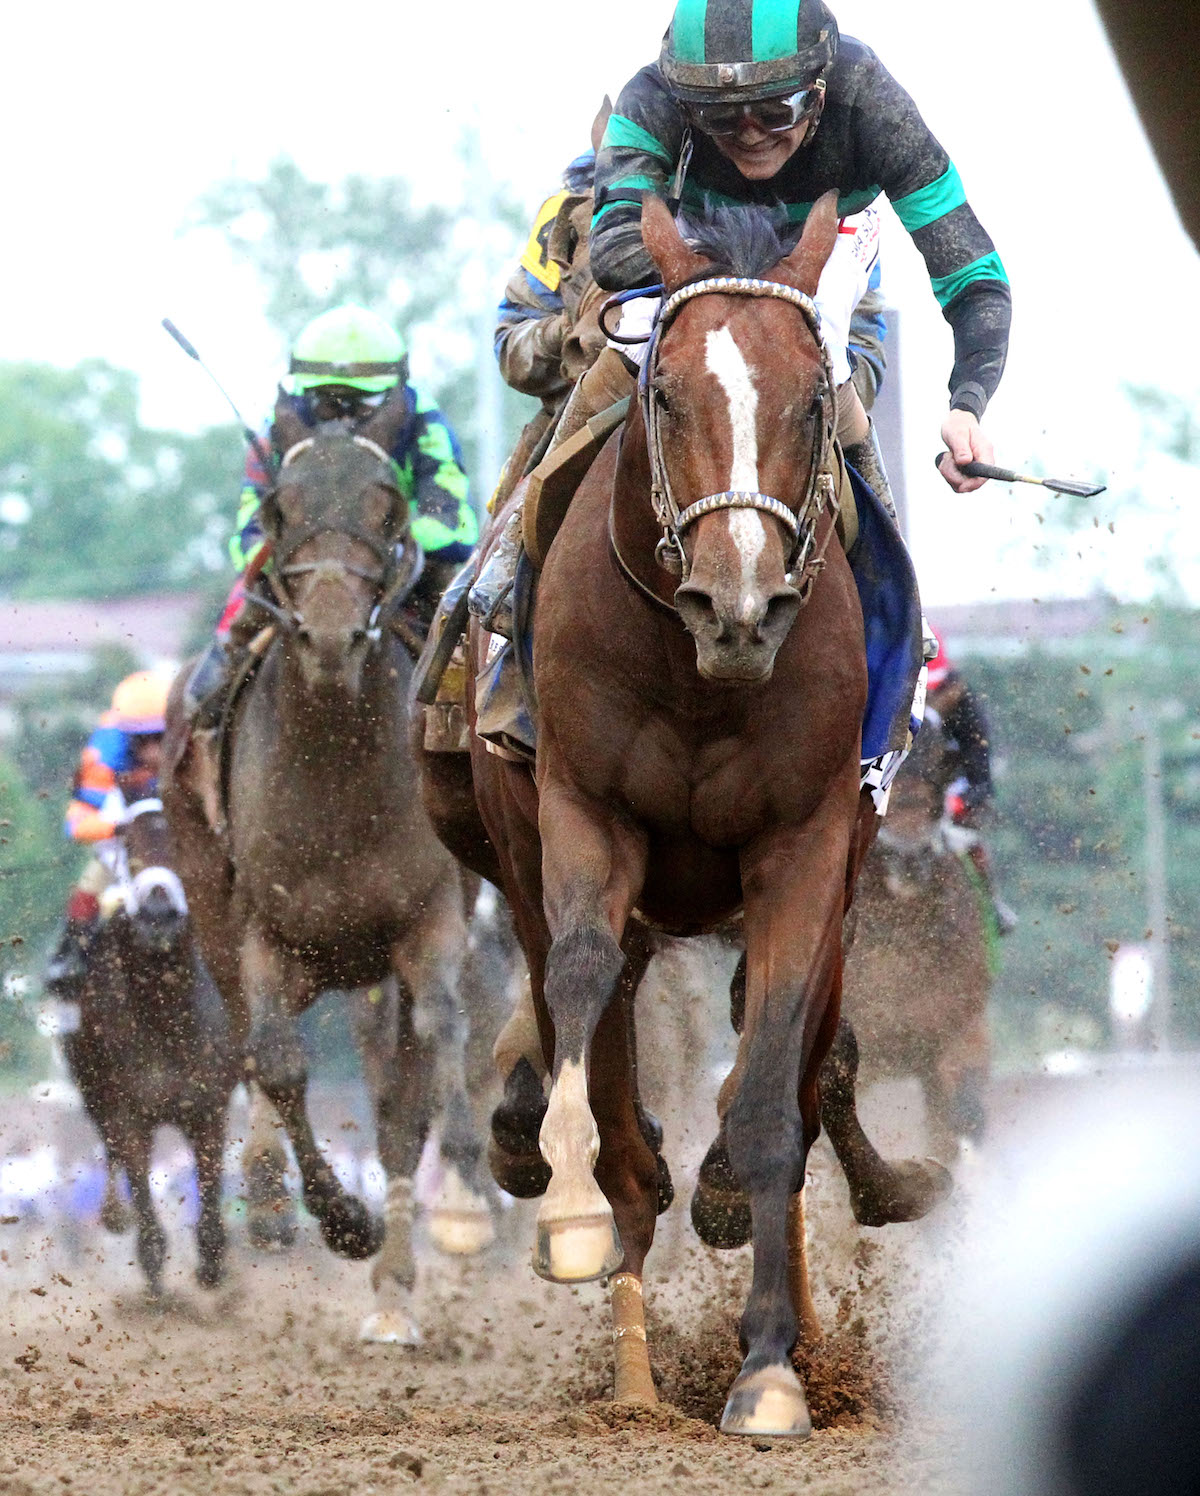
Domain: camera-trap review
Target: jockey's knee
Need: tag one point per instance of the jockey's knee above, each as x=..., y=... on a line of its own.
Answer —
x=852, y=426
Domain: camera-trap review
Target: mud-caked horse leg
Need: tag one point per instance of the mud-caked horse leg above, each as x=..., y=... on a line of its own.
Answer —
x=429, y=961
x=270, y=1210
x=275, y=1059
x=208, y=1145
x=115, y=1215
x=133, y=1150
x=396, y=1069
x=514, y=1156
x=881, y=1192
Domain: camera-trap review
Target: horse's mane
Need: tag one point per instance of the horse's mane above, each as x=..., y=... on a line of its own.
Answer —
x=742, y=241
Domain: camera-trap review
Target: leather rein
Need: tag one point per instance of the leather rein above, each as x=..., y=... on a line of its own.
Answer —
x=395, y=577
x=806, y=556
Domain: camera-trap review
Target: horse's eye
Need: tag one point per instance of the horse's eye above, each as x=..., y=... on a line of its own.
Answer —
x=660, y=398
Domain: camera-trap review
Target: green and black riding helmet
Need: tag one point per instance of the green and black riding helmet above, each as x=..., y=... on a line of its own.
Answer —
x=720, y=56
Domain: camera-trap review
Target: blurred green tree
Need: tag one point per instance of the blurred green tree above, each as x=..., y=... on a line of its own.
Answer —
x=92, y=503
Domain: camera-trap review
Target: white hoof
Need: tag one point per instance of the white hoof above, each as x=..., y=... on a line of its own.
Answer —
x=460, y=1223
x=461, y=1233
x=390, y=1327
x=577, y=1249
x=768, y=1404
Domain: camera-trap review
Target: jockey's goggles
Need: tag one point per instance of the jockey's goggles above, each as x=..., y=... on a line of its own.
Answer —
x=773, y=116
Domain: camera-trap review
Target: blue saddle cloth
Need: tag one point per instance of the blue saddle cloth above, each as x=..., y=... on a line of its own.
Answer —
x=891, y=608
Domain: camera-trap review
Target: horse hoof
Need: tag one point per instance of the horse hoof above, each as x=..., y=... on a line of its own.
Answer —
x=351, y=1231
x=912, y=1189
x=767, y=1404
x=115, y=1218
x=461, y=1233
x=525, y=1175
x=578, y=1249
x=721, y=1217
x=210, y=1274
x=272, y=1230
x=390, y=1327
x=666, y=1186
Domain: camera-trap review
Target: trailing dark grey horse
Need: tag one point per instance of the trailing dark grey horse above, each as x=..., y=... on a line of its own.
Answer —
x=153, y=1045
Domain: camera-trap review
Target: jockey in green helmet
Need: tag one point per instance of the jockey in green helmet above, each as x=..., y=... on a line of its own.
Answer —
x=344, y=365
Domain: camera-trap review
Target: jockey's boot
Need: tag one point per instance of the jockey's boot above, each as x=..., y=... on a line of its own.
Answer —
x=1006, y=918
x=67, y=965
x=204, y=694
x=611, y=378
x=866, y=457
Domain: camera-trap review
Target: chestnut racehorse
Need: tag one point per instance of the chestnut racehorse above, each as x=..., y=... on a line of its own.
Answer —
x=698, y=754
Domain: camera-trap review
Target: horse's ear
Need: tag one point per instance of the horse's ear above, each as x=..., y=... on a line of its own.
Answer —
x=664, y=244
x=802, y=268
x=287, y=428
x=600, y=123
x=386, y=423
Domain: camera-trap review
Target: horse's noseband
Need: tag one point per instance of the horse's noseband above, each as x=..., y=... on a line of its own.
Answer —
x=820, y=495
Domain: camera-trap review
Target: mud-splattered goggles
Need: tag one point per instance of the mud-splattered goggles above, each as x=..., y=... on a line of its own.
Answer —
x=773, y=116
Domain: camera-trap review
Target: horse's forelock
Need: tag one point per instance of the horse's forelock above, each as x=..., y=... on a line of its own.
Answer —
x=740, y=241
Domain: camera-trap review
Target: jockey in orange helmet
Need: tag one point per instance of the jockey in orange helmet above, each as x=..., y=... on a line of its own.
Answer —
x=119, y=764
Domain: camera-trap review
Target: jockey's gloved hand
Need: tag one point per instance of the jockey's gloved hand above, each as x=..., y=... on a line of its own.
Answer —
x=965, y=442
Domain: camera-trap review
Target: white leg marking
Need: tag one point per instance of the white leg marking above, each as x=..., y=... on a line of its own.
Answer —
x=746, y=527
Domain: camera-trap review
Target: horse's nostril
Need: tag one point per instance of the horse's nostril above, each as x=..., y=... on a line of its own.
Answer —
x=358, y=636
x=304, y=634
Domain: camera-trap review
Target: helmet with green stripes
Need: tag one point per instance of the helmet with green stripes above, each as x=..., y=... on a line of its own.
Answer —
x=348, y=346
x=746, y=49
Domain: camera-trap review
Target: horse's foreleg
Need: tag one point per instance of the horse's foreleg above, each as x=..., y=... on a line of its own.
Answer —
x=881, y=1192
x=396, y=1070
x=592, y=870
x=208, y=1145
x=629, y=1170
x=430, y=962
x=151, y=1238
x=276, y=1060
x=793, y=882
x=270, y=1209
x=114, y=1213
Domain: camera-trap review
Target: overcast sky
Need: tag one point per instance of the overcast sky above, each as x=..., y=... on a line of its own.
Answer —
x=118, y=117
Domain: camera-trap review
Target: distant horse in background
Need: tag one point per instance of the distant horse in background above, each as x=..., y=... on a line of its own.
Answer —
x=917, y=976
x=153, y=1046
x=698, y=753
x=308, y=857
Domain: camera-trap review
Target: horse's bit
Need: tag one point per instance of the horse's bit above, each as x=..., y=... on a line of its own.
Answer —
x=396, y=576
x=805, y=559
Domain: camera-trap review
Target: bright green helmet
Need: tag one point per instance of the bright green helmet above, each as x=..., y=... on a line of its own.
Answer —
x=349, y=346
x=736, y=50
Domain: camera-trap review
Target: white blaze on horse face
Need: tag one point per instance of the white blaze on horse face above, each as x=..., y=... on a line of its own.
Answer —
x=746, y=527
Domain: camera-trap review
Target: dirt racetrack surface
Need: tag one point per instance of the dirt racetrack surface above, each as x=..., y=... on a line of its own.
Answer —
x=263, y=1385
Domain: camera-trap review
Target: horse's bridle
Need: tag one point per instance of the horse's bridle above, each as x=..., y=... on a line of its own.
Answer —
x=806, y=557
x=395, y=577
x=134, y=887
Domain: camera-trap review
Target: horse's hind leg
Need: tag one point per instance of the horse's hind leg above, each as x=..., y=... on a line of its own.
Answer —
x=270, y=1210
x=881, y=1192
x=396, y=1071
x=430, y=963
x=151, y=1239
x=208, y=1144
x=280, y=1068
